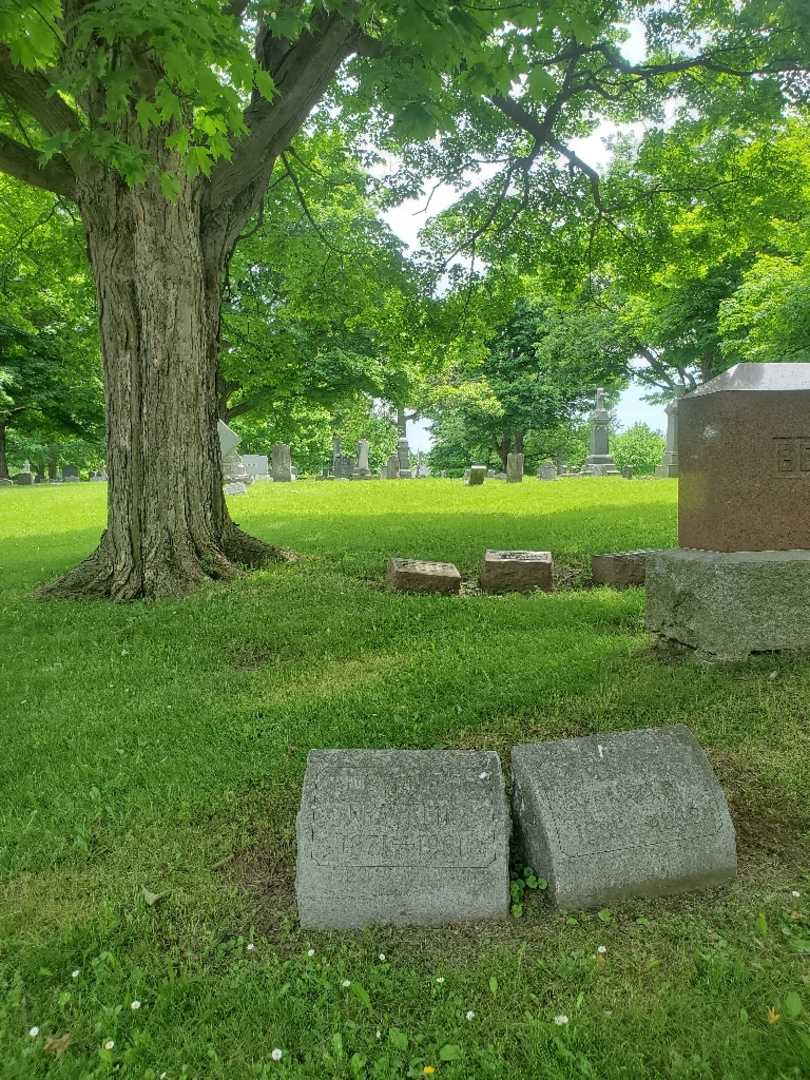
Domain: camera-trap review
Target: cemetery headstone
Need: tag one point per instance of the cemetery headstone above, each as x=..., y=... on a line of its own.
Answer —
x=70, y=474
x=547, y=471
x=257, y=465
x=669, y=462
x=620, y=569
x=738, y=583
x=235, y=476
x=23, y=479
x=419, y=575
x=402, y=837
x=514, y=468
x=392, y=467
x=475, y=475
x=404, y=455
x=516, y=571
x=361, y=470
x=599, y=461
x=282, y=466
x=6, y=482
x=627, y=472
x=608, y=817
x=344, y=467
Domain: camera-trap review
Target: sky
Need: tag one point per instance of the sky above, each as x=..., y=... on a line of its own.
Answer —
x=408, y=218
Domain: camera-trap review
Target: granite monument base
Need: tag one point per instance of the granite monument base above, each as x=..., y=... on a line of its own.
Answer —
x=729, y=604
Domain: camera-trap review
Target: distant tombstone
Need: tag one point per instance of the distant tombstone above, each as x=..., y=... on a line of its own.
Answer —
x=361, y=470
x=234, y=487
x=70, y=474
x=344, y=467
x=233, y=471
x=392, y=467
x=547, y=471
x=516, y=571
x=280, y=456
x=627, y=472
x=402, y=837
x=475, y=475
x=514, y=468
x=419, y=575
x=23, y=479
x=404, y=455
x=669, y=462
x=257, y=465
x=608, y=817
x=41, y=478
x=6, y=482
x=599, y=461
x=620, y=569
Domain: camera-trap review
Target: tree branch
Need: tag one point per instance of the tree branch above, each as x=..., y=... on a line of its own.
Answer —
x=301, y=71
x=34, y=93
x=17, y=160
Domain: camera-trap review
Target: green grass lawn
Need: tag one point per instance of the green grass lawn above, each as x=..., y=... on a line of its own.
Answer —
x=161, y=747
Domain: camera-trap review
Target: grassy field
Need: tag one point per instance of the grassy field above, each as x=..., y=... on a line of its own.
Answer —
x=158, y=750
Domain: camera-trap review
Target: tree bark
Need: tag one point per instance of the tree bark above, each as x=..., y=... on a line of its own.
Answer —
x=168, y=528
x=3, y=460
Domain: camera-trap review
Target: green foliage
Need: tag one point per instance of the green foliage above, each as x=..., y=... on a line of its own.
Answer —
x=639, y=447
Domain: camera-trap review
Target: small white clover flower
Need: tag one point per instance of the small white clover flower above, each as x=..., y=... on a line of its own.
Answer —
x=601, y=949
x=75, y=974
x=483, y=776
x=440, y=979
x=379, y=1034
x=796, y=893
x=109, y=1044
x=346, y=984
x=470, y=1015
x=310, y=952
x=135, y=1006
x=251, y=947
x=561, y=1020
x=277, y=1054
x=33, y=1032
x=382, y=957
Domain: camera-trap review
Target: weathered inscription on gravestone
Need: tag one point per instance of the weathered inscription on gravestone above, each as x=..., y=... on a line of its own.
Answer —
x=608, y=817
x=792, y=456
x=282, y=469
x=404, y=837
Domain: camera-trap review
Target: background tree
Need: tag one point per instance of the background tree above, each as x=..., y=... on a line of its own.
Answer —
x=639, y=447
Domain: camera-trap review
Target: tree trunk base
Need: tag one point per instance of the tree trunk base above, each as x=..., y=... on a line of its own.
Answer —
x=170, y=573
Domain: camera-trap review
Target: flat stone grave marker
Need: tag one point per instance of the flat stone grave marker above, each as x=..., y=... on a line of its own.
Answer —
x=516, y=571
x=419, y=575
x=476, y=474
x=620, y=569
x=623, y=814
x=402, y=837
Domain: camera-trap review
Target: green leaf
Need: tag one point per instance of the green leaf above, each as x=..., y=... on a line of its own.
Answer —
x=762, y=924
x=605, y=915
x=148, y=115
x=264, y=83
x=357, y=1063
x=541, y=84
x=361, y=994
x=398, y=1039
x=170, y=186
x=493, y=985
x=337, y=1044
x=517, y=911
x=792, y=1005
x=450, y=1052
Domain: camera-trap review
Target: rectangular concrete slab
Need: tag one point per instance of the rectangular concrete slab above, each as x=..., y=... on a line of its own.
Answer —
x=609, y=817
x=402, y=837
x=419, y=575
x=516, y=571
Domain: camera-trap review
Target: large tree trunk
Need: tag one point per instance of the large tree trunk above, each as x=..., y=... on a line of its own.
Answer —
x=168, y=528
x=3, y=461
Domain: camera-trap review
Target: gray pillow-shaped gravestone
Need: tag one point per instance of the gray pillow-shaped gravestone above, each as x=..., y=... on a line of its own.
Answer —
x=609, y=817
x=404, y=837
